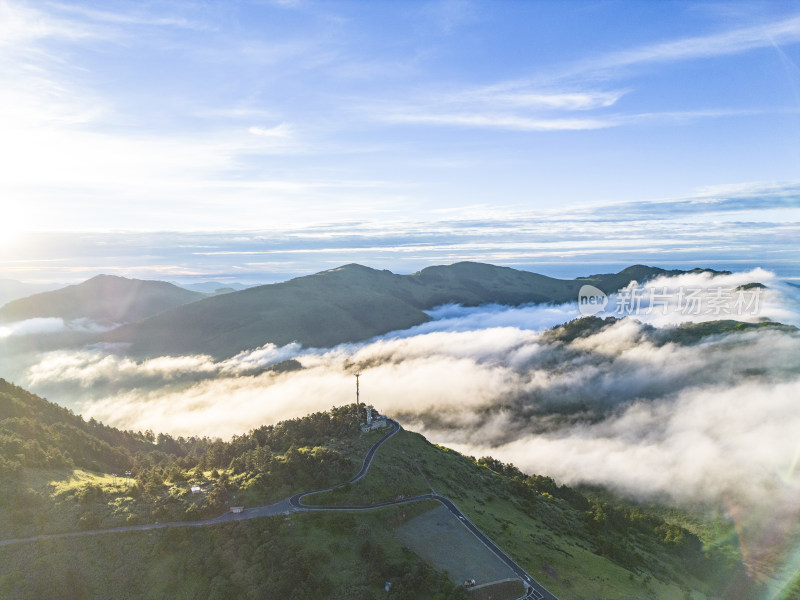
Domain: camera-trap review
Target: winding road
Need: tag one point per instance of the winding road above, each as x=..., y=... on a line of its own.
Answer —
x=534, y=590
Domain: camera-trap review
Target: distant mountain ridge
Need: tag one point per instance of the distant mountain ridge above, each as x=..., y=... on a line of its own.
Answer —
x=105, y=299
x=347, y=304
x=211, y=287
x=11, y=289
x=350, y=303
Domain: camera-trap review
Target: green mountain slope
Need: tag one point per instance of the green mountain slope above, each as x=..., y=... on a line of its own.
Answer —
x=35, y=433
x=684, y=333
x=105, y=299
x=577, y=547
x=347, y=304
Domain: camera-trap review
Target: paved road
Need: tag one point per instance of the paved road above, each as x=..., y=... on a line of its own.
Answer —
x=535, y=590
x=284, y=507
x=296, y=500
x=279, y=508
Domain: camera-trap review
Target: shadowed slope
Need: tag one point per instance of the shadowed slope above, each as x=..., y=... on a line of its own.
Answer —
x=347, y=304
x=343, y=305
x=105, y=299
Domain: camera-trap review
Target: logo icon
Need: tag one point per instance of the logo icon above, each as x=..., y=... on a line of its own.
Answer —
x=591, y=300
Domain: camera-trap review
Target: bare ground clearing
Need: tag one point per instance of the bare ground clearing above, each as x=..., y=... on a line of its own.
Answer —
x=440, y=538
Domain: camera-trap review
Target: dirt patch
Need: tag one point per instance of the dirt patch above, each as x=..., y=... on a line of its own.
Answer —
x=504, y=590
x=549, y=570
x=441, y=539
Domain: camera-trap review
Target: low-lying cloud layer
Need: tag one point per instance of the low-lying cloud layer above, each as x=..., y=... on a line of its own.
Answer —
x=626, y=405
x=49, y=325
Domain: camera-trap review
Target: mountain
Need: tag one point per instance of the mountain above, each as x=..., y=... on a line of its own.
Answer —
x=347, y=304
x=344, y=305
x=683, y=333
x=105, y=299
x=472, y=284
x=212, y=287
x=62, y=474
x=40, y=434
x=611, y=282
x=11, y=289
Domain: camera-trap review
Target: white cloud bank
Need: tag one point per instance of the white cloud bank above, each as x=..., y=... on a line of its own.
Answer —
x=627, y=407
x=46, y=325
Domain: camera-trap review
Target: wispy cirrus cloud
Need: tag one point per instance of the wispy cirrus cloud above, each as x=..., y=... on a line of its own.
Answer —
x=499, y=121
x=21, y=24
x=527, y=98
x=189, y=148
x=742, y=39
x=516, y=122
x=282, y=130
x=137, y=16
x=539, y=102
x=714, y=201
x=69, y=142
x=507, y=106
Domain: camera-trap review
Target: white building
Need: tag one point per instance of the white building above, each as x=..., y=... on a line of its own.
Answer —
x=373, y=423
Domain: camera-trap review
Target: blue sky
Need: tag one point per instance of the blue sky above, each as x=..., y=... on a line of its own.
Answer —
x=258, y=140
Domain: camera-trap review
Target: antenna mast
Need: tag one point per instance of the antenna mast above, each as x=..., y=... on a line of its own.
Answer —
x=358, y=401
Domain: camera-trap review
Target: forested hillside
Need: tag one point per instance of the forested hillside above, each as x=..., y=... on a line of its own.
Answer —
x=63, y=474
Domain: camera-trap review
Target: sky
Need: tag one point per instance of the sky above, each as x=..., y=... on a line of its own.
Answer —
x=255, y=141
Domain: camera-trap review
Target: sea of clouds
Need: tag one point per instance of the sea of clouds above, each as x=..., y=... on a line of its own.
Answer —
x=714, y=421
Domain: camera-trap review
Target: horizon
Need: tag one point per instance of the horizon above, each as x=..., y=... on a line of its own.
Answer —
x=166, y=256
x=561, y=271
x=258, y=141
